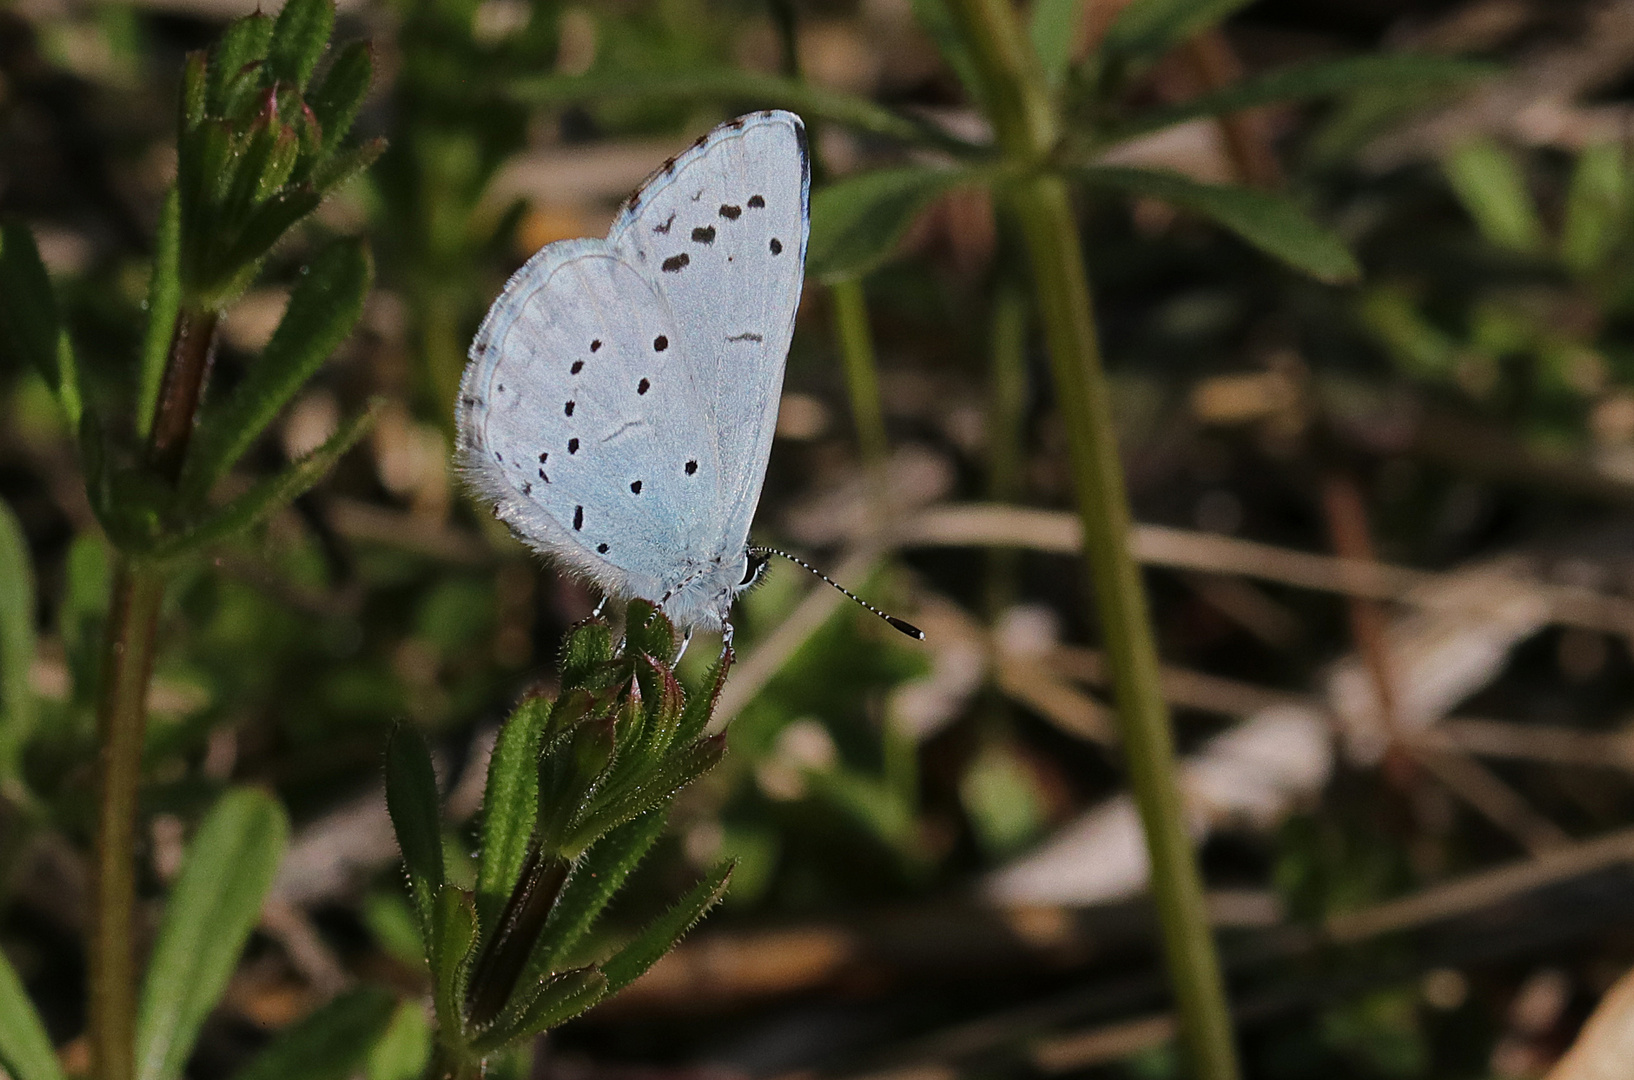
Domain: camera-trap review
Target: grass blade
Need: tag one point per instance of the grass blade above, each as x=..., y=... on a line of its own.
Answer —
x=856, y=223
x=17, y=704
x=25, y=1048
x=213, y=907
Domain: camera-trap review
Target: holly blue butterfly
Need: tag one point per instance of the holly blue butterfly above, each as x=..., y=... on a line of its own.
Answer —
x=621, y=394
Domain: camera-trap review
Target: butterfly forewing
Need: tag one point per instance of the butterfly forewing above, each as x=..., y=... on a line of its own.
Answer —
x=722, y=234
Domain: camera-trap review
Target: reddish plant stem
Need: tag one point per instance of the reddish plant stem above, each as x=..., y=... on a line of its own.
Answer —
x=127, y=668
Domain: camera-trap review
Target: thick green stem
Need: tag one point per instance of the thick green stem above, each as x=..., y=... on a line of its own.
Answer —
x=1027, y=129
x=127, y=663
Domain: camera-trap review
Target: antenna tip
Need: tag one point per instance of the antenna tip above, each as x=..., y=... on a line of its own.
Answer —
x=906, y=627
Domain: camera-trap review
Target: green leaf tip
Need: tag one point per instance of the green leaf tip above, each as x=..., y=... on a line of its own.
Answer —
x=412, y=802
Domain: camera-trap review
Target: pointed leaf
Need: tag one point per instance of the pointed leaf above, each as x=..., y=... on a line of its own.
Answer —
x=1148, y=28
x=1271, y=223
x=1054, y=32
x=938, y=22
x=589, y=645
x=510, y=804
x=412, y=802
x=323, y=308
x=18, y=708
x=213, y=906
x=1321, y=78
x=25, y=1048
x=857, y=222
x=298, y=40
x=164, y=302
x=558, y=1000
x=656, y=789
x=662, y=934
x=1490, y=183
x=599, y=873
x=270, y=495
x=568, y=770
x=228, y=275
x=1597, y=206
x=336, y=100
x=343, y=165
x=194, y=93
x=330, y=1043
x=453, y=942
x=243, y=43
x=700, y=706
x=31, y=330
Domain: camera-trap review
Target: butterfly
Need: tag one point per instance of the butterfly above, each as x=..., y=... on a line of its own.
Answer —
x=620, y=398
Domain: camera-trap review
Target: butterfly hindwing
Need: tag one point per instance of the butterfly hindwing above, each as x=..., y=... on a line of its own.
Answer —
x=584, y=427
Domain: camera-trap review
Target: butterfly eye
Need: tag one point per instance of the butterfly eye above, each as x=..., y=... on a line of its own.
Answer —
x=756, y=566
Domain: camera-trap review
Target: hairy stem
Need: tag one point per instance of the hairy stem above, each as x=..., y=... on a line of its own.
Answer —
x=127, y=663
x=192, y=350
x=1027, y=130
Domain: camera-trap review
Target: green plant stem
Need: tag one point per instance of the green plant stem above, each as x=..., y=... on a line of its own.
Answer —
x=127, y=664
x=1027, y=132
x=127, y=667
x=862, y=381
x=1007, y=403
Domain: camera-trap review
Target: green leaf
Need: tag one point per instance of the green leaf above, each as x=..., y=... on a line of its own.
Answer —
x=1149, y=28
x=31, y=330
x=330, y=1043
x=656, y=789
x=336, y=100
x=857, y=222
x=648, y=632
x=298, y=40
x=270, y=495
x=1271, y=223
x=662, y=934
x=18, y=709
x=733, y=86
x=229, y=274
x=1321, y=78
x=164, y=302
x=1054, y=31
x=554, y=1002
x=340, y=167
x=700, y=704
x=510, y=804
x=243, y=43
x=416, y=817
x=1597, y=205
x=324, y=307
x=212, y=908
x=598, y=874
x=1491, y=184
x=25, y=1048
x=939, y=24
x=453, y=943
x=405, y=1049
x=568, y=770
x=194, y=92
x=588, y=646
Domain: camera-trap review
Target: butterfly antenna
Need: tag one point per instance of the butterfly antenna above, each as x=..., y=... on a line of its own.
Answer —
x=901, y=624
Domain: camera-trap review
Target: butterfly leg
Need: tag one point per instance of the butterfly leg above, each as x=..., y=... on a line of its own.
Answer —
x=686, y=639
x=726, y=636
x=600, y=605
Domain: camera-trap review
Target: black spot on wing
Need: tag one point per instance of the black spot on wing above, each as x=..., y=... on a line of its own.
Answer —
x=573, y=446
x=663, y=229
x=578, y=517
x=602, y=548
x=731, y=213
x=660, y=343
x=635, y=487
x=746, y=337
x=567, y=409
x=704, y=234
x=692, y=467
x=756, y=202
x=777, y=246
x=674, y=263
x=596, y=344
x=578, y=366
x=643, y=386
